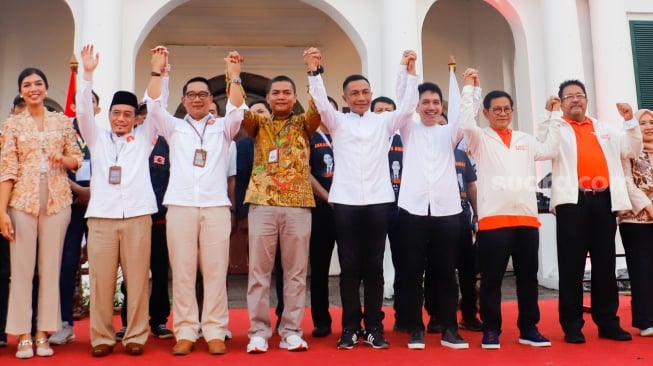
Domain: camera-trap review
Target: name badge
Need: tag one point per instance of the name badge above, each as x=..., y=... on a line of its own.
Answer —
x=115, y=174
x=199, y=159
x=273, y=156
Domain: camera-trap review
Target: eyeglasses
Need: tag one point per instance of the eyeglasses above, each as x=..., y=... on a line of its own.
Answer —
x=579, y=96
x=498, y=110
x=201, y=95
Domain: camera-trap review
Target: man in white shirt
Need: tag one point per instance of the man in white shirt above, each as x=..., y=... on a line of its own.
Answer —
x=588, y=188
x=198, y=204
x=428, y=218
x=507, y=207
x=119, y=212
x=361, y=193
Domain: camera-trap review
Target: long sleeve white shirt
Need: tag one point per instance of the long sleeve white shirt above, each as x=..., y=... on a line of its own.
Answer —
x=191, y=185
x=360, y=144
x=507, y=179
x=428, y=179
x=616, y=145
x=133, y=196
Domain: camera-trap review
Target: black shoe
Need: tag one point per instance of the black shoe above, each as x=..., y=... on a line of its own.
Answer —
x=472, y=324
x=3, y=339
x=416, y=340
x=162, y=332
x=576, y=337
x=374, y=339
x=348, y=339
x=434, y=326
x=451, y=339
x=616, y=334
x=321, y=331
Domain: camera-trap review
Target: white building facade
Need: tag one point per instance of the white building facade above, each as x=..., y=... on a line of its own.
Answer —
x=525, y=47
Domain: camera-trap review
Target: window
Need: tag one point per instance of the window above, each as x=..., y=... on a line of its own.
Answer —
x=641, y=34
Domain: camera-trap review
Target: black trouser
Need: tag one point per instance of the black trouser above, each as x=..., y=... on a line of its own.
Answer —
x=159, y=305
x=589, y=226
x=394, y=237
x=495, y=247
x=637, y=240
x=361, y=232
x=467, y=271
x=72, y=251
x=323, y=238
x=429, y=242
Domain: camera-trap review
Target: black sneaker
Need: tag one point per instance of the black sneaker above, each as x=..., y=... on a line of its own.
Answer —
x=374, y=339
x=616, y=334
x=534, y=338
x=3, y=339
x=416, y=340
x=451, y=339
x=472, y=324
x=348, y=340
x=120, y=334
x=161, y=331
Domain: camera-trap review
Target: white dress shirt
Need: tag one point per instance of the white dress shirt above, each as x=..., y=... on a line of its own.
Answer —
x=133, y=196
x=360, y=144
x=191, y=185
x=429, y=180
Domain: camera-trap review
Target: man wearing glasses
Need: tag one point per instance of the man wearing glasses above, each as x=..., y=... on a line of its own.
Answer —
x=198, y=218
x=507, y=207
x=588, y=188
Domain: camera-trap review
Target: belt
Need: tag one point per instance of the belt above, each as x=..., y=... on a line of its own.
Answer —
x=592, y=192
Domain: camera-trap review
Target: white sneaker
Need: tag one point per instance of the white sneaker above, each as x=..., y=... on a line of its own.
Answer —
x=646, y=332
x=293, y=343
x=257, y=345
x=63, y=335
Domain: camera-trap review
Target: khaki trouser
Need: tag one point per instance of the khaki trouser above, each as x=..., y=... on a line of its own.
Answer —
x=199, y=236
x=291, y=227
x=50, y=231
x=125, y=242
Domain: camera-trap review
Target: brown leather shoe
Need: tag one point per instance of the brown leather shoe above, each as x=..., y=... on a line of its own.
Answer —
x=183, y=347
x=134, y=349
x=102, y=350
x=217, y=347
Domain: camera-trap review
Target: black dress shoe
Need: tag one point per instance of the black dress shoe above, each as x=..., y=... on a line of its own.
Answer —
x=616, y=334
x=575, y=337
x=321, y=331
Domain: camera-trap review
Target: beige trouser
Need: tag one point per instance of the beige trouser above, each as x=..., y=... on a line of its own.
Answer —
x=291, y=227
x=199, y=236
x=125, y=242
x=50, y=231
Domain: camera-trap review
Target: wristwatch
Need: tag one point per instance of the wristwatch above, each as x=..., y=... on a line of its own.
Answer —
x=236, y=80
x=155, y=73
x=320, y=70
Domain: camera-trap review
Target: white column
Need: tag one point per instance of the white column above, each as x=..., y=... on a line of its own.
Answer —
x=399, y=31
x=613, y=58
x=562, y=44
x=102, y=26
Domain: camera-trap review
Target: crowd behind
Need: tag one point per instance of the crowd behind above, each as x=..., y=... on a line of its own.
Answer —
x=160, y=195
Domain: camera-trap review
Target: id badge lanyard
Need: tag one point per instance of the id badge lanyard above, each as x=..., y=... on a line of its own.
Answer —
x=115, y=171
x=199, y=158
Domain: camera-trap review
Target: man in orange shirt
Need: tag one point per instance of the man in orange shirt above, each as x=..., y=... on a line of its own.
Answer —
x=588, y=188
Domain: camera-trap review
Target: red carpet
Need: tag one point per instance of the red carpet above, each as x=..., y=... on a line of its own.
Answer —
x=323, y=352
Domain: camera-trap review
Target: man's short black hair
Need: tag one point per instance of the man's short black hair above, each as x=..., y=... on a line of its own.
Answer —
x=566, y=83
x=494, y=94
x=385, y=100
x=430, y=87
x=352, y=78
x=97, y=97
x=194, y=80
x=279, y=78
